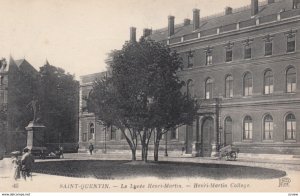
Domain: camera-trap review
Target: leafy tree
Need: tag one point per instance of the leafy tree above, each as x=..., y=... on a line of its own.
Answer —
x=143, y=93
x=58, y=101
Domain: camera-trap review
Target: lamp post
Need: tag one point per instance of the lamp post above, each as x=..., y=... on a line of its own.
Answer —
x=166, y=144
x=104, y=150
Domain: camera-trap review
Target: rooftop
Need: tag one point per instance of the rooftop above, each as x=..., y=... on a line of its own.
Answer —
x=221, y=20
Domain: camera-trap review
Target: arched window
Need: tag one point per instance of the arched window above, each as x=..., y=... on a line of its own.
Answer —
x=228, y=131
x=268, y=127
x=290, y=127
x=248, y=128
x=248, y=84
x=268, y=82
x=229, y=87
x=208, y=88
x=190, y=88
x=291, y=80
x=92, y=131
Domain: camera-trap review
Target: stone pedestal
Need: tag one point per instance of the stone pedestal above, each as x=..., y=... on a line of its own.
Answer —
x=35, y=136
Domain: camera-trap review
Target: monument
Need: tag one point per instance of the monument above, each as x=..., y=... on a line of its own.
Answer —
x=35, y=131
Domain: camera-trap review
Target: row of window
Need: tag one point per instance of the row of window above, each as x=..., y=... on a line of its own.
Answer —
x=268, y=39
x=268, y=127
x=268, y=84
x=112, y=132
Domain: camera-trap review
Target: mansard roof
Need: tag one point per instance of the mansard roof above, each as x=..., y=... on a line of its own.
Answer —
x=219, y=20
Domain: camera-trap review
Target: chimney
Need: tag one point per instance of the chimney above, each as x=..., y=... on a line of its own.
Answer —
x=171, y=25
x=196, y=19
x=228, y=10
x=254, y=7
x=186, y=22
x=271, y=1
x=147, y=32
x=132, y=34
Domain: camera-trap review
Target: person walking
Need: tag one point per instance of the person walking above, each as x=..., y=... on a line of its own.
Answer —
x=16, y=166
x=27, y=161
x=91, y=148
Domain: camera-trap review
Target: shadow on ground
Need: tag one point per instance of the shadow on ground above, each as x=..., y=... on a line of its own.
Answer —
x=102, y=169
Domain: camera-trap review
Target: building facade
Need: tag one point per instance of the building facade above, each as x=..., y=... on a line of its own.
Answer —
x=243, y=67
x=18, y=78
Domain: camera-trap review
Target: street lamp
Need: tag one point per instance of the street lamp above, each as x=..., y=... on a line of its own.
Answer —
x=166, y=144
x=104, y=150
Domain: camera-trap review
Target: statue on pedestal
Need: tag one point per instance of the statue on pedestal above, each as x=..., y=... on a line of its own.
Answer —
x=35, y=130
x=34, y=104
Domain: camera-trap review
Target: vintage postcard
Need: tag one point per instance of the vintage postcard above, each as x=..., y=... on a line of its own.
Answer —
x=149, y=96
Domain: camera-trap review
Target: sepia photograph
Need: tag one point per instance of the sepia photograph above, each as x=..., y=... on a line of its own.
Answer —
x=149, y=96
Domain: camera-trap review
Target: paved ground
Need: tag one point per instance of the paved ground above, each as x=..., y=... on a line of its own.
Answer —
x=42, y=182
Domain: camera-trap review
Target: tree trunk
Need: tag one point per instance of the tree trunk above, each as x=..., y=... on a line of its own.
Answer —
x=156, y=143
x=156, y=147
x=133, y=154
x=145, y=159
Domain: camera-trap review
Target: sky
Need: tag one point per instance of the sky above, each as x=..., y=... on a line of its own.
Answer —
x=77, y=35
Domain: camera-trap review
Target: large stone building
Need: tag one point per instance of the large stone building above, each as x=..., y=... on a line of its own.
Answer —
x=12, y=122
x=243, y=67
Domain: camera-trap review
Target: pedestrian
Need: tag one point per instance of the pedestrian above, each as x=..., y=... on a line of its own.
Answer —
x=27, y=161
x=91, y=148
x=182, y=150
x=16, y=166
x=61, y=152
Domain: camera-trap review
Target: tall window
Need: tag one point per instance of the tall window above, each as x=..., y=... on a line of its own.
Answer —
x=92, y=131
x=247, y=52
x=113, y=133
x=247, y=48
x=268, y=48
x=248, y=84
x=208, y=88
x=268, y=82
x=291, y=80
x=174, y=134
x=190, y=88
x=291, y=42
x=290, y=127
x=208, y=55
x=228, y=130
x=229, y=87
x=248, y=128
x=268, y=127
x=228, y=47
x=190, y=56
x=208, y=58
x=228, y=55
x=1, y=80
